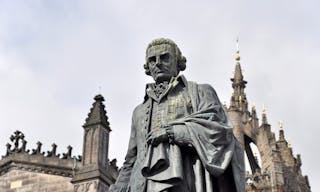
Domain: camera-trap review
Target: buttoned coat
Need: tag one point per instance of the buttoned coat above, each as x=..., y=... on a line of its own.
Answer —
x=204, y=155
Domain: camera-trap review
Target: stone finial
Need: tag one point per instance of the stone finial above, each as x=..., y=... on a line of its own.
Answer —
x=99, y=98
x=254, y=112
x=307, y=180
x=298, y=160
x=16, y=138
x=281, y=135
x=19, y=143
x=53, y=152
x=37, y=151
x=264, y=116
x=24, y=146
x=289, y=143
x=225, y=104
x=9, y=151
x=68, y=154
x=232, y=102
x=113, y=164
x=97, y=113
x=281, y=132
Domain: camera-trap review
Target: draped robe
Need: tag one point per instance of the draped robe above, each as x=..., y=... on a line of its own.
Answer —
x=204, y=155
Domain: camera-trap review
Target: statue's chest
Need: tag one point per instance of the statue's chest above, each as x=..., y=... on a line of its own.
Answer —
x=158, y=114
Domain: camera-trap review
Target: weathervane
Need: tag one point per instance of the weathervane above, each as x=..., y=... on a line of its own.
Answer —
x=263, y=109
x=280, y=125
x=237, y=51
x=99, y=89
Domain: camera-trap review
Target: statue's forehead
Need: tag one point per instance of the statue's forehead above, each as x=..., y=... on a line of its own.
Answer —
x=158, y=49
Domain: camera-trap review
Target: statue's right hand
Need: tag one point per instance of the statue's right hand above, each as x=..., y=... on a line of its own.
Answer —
x=156, y=136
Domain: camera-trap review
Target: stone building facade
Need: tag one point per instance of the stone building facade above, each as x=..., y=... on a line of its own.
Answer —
x=24, y=170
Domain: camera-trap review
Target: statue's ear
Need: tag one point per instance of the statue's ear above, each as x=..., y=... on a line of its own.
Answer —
x=146, y=67
x=182, y=63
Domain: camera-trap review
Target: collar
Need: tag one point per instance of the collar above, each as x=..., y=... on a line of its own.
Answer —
x=173, y=83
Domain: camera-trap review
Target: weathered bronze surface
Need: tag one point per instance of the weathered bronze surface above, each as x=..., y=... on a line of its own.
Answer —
x=181, y=138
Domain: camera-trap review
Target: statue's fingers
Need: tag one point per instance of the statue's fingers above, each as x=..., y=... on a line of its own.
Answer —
x=150, y=134
x=150, y=142
x=149, y=139
x=153, y=141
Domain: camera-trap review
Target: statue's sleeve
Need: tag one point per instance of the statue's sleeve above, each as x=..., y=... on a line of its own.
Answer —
x=123, y=179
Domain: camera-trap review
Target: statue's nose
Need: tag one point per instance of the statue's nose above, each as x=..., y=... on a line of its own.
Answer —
x=158, y=61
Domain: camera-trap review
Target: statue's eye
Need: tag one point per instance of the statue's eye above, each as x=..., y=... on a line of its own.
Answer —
x=165, y=57
x=152, y=59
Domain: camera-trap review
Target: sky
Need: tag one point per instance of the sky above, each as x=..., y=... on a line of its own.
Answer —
x=55, y=56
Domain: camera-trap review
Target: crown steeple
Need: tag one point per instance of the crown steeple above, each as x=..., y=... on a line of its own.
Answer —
x=238, y=99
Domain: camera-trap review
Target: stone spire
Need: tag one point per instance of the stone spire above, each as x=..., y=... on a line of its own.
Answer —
x=238, y=98
x=95, y=162
x=97, y=114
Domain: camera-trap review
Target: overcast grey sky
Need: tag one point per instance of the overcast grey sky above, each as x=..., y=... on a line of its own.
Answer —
x=54, y=56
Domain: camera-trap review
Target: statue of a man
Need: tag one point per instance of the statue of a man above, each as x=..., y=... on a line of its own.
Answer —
x=181, y=138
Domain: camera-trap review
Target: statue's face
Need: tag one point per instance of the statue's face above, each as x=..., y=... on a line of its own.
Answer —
x=162, y=62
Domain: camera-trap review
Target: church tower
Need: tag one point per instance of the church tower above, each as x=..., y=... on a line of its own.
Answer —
x=278, y=170
x=94, y=175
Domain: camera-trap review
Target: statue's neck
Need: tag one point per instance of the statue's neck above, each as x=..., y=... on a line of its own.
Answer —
x=160, y=87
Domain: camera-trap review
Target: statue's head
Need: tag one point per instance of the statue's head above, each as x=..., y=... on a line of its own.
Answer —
x=164, y=60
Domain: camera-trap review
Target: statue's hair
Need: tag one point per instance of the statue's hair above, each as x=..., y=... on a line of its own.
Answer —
x=181, y=60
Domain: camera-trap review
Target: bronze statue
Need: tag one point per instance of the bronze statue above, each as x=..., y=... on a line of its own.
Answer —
x=181, y=138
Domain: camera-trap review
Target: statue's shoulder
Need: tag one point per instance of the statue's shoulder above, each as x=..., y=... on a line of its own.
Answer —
x=141, y=108
x=138, y=108
x=200, y=87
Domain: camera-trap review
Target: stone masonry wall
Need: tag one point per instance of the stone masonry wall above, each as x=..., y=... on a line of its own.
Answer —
x=25, y=181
